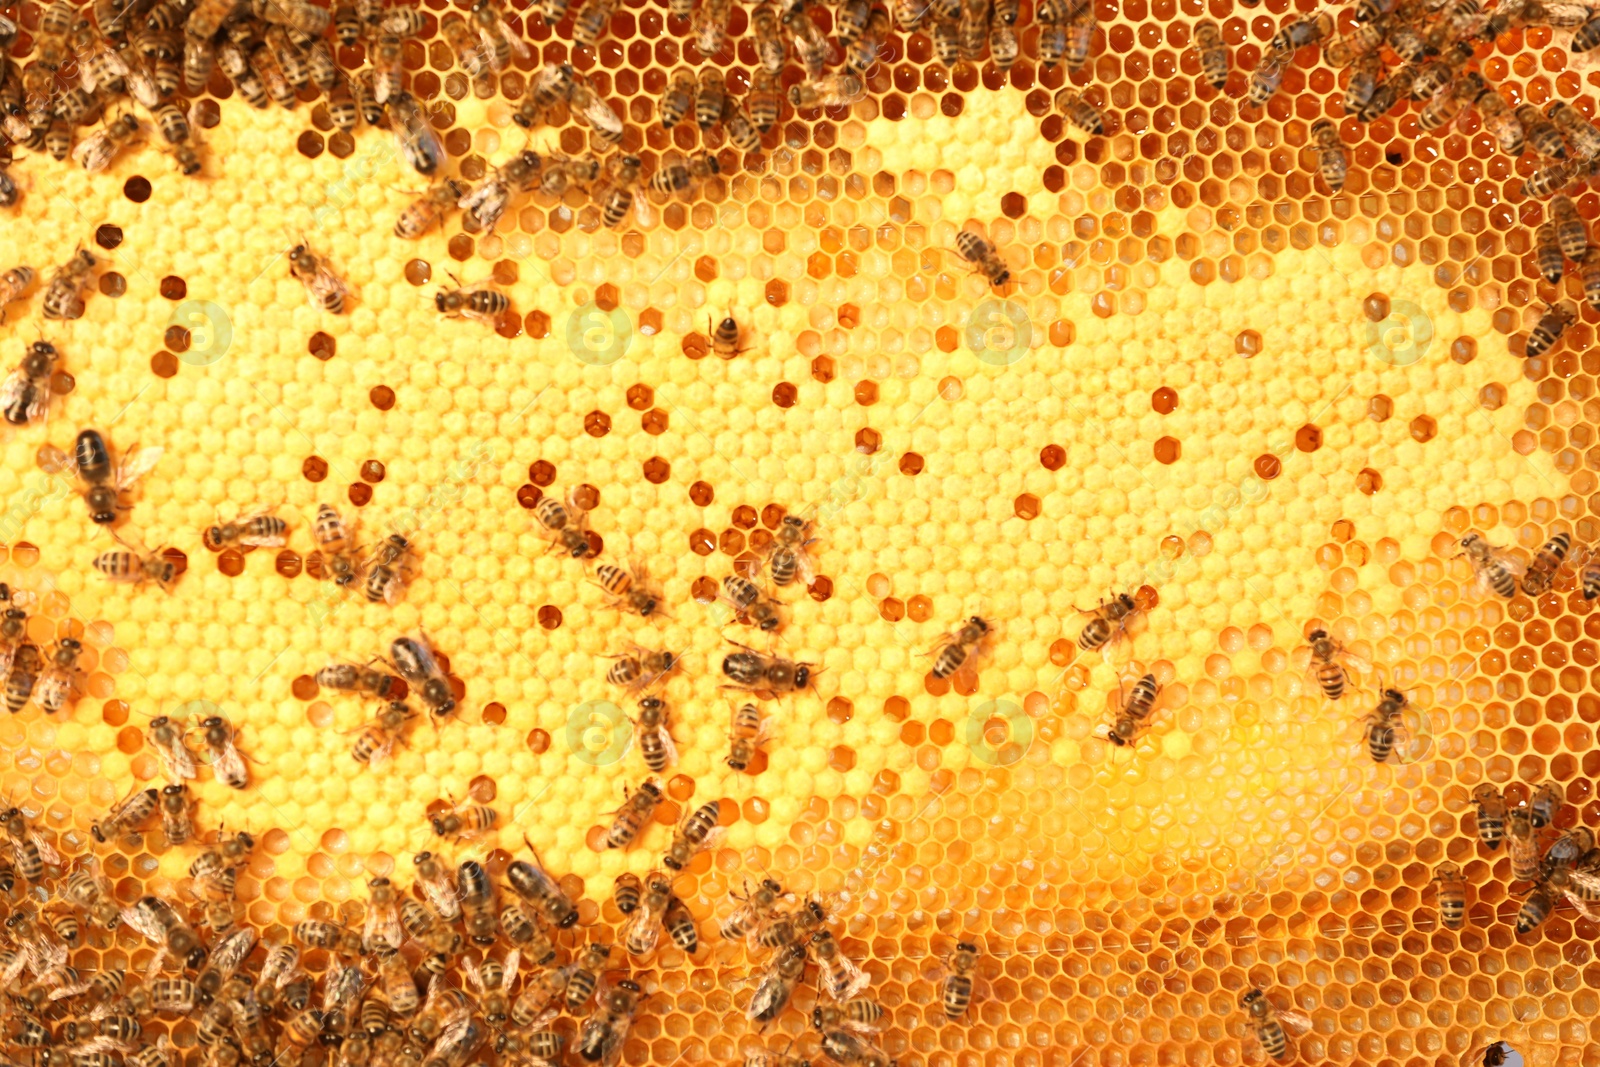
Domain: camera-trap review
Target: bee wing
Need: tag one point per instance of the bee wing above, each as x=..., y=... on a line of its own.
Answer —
x=851, y=979
x=135, y=464
x=90, y=145
x=1584, y=907
x=441, y=894
x=383, y=925
x=47, y=851
x=1295, y=1022
x=643, y=931
x=474, y=975
x=177, y=761
x=513, y=962
x=54, y=461
x=11, y=391
x=142, y=921
x=668, y=746
x=514, y=39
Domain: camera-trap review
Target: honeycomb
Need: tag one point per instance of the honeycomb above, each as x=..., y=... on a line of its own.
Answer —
x=1259, y=407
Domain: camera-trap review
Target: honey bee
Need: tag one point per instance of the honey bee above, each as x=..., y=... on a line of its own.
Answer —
x=1543, y=135
x=362, y=93
x=1124, y=730
x=640, y=668
x=176, y=821
x=567, y=523
x=677, y=99
x=26, y=664
x=1383, y=725
x=764, y=100
x=643, y=929
x=1523, y=846
x=629, y=589
x=14, y=284
x=89, y=888
x=1434, y=76
x=381, y=735
x=1052, y=43
x=777, y=983
x=159, y=921
x=1268, y=1023
x=336, y=541
x=1536, y=908
x=710, y=26
x=421, y=214
x=605, y=1031
x=414, y=659
x=327, y=291
x=1213, y=52
x=955, y=648
x=551, y=86
x=695, y=834
x=1333, y=158
x=464, y=820
x=635, y=812
x=102, y=485
x=593, y=20
x=1580, y=887
x=850, y=1050
x=1264, y=80
x=626, y=892
x=754, y=671
x=1079, y=38
x=1552, y=178
x=1567, y=850
x=1491, y=815
x=593, y=111
x=740, y=128
x=851, y=20
x=1544, y=804
x=475, y=894
x=1547, y=252
x=1330, y=675
x=1587, y=36
x=471, y=55
x=63, y=295
x=125, y=815
x=97, y=151
x=316, y=933
x=419, y=144
x=680, y=926
x=1548, y=330
x=260, y=530
x=433, y=877
x=839, y=89
x=856, y=1013
x=134, y=567
x=403, y=22
x=58, y=139
x=750, y=604
x=167, y=739
x=1580, y=132
x=480, y=301
x=1495, y=568
x=25, y=394
x=771, y=48
x=533, y=884
x=391, y=569
x=381, y=928
x=1546, y=562
x=841, y=976
x=486, y=203
x=30, y=849
x=617, y=200
x=748, y=733
x=983, y=256
x=226, y=762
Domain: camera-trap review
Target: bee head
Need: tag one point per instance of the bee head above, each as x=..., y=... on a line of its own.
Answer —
x=802, y=676
x=441, y=300
x=1318, y=634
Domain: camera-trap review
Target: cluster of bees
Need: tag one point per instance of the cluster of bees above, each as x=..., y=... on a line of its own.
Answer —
x=1415, y=50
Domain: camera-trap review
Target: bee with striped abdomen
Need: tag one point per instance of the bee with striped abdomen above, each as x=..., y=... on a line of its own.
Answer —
x=421, y=214
x=226, y=762
x=413, y=658
x=480, y=301
x=637, y=810
x=134, y=567
x=748, y=733
x=1491, y=810
x=326, y=290
x=1325, y=666
x=25, y=395
x=1135, y=711
x=382, y=734
x=464, y=820
x=630, y=590
x=1495, y=568
x=697, y=832
x=1546, y=562
x=1547, y=252
x=956, y=648
x=1550, y=328
x=391, y=568
x=1571, y=233
x=259, y=530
